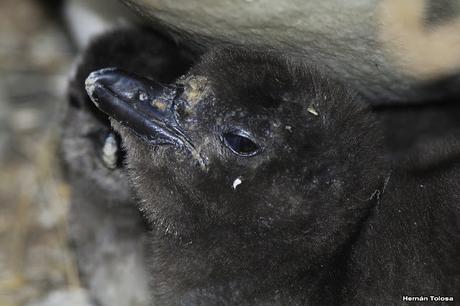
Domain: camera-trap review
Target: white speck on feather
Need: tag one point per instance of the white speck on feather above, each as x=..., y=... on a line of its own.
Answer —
x=236, y=183
x=312, y=110
x=110, y=152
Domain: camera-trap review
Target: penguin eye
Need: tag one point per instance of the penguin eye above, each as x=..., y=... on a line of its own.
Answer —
x=240, y=144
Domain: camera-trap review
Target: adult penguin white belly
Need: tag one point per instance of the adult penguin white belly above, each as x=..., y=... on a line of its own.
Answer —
x=392, y=51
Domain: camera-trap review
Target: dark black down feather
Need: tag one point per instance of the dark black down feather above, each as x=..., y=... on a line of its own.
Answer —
x=287, y=191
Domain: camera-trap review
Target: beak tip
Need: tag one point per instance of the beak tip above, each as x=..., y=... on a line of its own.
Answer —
x=90, y=84
x=120, y=95
x=94, y=78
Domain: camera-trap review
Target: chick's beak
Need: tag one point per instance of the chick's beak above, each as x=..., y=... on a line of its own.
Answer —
x=140, y=104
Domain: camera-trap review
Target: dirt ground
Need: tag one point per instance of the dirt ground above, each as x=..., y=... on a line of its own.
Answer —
x=36, y=264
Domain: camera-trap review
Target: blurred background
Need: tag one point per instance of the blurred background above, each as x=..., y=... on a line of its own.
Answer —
x=35, y=58
x=38, y=46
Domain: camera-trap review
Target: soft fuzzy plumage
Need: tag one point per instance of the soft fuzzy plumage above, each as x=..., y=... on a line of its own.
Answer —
x=107, y=230
x=319, y=216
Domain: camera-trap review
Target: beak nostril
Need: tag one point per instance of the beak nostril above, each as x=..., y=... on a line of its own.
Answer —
x=143, y=96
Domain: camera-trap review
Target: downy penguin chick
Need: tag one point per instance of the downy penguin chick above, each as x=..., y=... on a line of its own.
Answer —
x=106, y=227
x=254, y=172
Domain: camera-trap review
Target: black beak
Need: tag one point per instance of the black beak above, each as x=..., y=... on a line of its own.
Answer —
x=142, y=105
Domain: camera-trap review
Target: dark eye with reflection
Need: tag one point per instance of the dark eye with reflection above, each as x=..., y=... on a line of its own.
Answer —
x=240, y=144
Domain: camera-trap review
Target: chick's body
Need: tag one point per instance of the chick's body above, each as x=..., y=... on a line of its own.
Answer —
x=269, y=170
x=262, y=181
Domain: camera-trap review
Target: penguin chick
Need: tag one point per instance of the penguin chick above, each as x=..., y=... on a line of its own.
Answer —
x=106, y=228
x=254, y=172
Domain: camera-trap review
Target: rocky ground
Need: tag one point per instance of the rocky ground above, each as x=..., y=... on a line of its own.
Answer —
x=36, y=263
